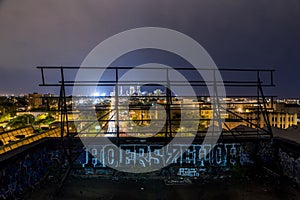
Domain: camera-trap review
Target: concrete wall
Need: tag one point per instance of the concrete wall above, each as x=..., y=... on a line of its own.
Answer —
x=290, y=164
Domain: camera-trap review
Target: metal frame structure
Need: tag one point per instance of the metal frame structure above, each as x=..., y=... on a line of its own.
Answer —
x=256, y=83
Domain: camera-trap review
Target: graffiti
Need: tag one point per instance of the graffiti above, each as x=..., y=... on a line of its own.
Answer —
x=149, y=155
x=190, y=172
x=28, y=172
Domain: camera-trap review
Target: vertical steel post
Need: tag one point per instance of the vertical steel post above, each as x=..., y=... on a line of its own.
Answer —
x=117, y=105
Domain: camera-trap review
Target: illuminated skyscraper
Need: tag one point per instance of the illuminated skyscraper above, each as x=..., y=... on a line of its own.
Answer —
x=131, y=90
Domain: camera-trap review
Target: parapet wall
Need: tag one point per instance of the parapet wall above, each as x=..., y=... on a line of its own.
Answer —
x=280, y=157
x=26, y=171
x=289, y=160
x=46, y=162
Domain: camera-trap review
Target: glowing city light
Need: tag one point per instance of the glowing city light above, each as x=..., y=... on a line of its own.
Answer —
x=96, y=94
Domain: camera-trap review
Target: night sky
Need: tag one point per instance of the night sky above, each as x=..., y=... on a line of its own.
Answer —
x=236, y=33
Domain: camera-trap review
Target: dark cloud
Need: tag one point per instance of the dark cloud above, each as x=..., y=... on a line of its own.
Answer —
x=257, y=33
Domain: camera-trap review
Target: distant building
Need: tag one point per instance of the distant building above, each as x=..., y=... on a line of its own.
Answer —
x=131, y=90
x=121, y=91
x=35, y=100
x=48, y=100
x=138, y=90
x=157, y=92
x=281, y=115
x=287, y=107
x=281, y=120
